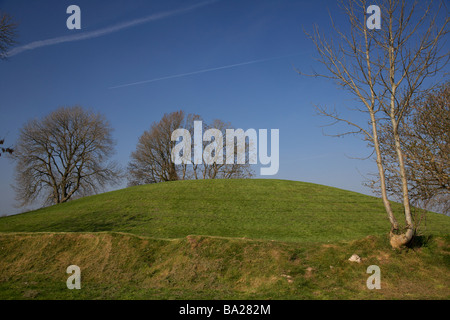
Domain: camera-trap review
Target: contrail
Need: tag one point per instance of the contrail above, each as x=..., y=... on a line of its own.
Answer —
x=104, y=31
x=201, y=71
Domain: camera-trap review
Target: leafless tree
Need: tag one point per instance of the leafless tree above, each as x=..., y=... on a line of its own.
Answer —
x=425, y=140
x=7, y=34
x=63, y=155
x=152, y=160
x=223, y=170
x=384, y=69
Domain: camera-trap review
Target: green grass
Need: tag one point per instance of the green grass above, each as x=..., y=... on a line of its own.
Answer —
x=125, y=266
x=255, y=209
x=220, y=239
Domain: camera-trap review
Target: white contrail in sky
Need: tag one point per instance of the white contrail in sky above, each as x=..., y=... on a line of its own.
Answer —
x=104, y=31
x=200, y=71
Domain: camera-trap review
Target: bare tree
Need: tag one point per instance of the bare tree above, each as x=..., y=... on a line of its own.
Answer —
x=152, y=161
x=7, y=34
x=425, y=141
x=63, y=155
x=384, y=69
x=223, y=170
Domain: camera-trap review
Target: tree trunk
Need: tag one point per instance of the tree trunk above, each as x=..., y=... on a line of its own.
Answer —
x=173, y=176
x=387, y=204
x=398, y=241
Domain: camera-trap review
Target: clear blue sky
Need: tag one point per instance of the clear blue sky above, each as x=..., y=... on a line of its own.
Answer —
x=267, y=94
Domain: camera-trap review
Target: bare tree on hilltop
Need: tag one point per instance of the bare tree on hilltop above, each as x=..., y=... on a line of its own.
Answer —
x=63, y=155
x=151, y=162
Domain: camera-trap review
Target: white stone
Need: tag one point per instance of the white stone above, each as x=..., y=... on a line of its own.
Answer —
x=355, y=258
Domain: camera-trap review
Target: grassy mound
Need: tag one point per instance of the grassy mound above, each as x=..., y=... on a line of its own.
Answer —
x=220, y=239
x=255, y=209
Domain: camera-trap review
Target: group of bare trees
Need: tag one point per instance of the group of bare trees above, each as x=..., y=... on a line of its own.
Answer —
x=66, y=154
x=386, y=70
x=152, y=161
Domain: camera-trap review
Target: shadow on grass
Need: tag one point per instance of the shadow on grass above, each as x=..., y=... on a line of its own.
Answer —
x=420, y=241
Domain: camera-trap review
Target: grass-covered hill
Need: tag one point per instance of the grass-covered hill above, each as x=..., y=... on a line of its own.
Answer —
x=254, y=209
x=220, y=239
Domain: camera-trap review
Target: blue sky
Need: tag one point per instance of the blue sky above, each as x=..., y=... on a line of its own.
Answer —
x=262, y=39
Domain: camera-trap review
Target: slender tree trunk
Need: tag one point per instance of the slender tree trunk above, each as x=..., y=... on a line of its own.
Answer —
x=398, y=240
x=173, y=176
x=387, y=204
x=404, y=238
x=376, y=141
